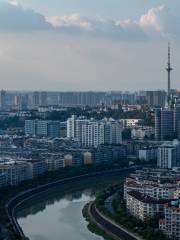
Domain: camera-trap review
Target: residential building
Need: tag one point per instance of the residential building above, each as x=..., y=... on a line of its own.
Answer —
x=43, y=99
x=3, y=179
x=164, y=124
x=143, y=206
x=113, y=132
x=16, y=172
x=35, y=99
x=42, y=128
x=129, y=123
x=147, y=153
x=170, y=225
x=30, y=127
x=71, y=127
x=169, y=155
x=93, y=134
x=142, y=132
x=53, y=129
x=2, y=100
x=151, y=188
x=156, y=98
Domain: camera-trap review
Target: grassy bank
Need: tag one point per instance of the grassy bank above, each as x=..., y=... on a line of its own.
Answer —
x=92, y=226
x=146, y=230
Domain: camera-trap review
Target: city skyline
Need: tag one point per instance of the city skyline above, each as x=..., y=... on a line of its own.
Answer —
x=67, y=47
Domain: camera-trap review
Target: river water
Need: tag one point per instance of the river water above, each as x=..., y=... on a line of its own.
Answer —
x=57, y=214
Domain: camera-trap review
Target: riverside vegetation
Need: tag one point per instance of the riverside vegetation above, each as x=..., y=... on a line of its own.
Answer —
x=147, y=230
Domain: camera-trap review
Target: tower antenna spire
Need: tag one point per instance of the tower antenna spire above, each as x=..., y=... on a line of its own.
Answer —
x=169, y=69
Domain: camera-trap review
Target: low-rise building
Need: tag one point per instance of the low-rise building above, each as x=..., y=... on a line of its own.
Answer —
x=142, y=132
x=130, y=123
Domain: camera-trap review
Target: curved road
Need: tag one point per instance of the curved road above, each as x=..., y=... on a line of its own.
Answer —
x=110, y=227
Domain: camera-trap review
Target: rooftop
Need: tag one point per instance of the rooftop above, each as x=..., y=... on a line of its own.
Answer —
x=147, y=199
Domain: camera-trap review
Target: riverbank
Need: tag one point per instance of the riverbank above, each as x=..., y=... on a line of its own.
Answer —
x=119, y=224
x=19, y=198
x=92, y=225
x=104, y=226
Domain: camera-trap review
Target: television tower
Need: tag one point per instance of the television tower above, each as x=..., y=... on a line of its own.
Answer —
x=169, y=69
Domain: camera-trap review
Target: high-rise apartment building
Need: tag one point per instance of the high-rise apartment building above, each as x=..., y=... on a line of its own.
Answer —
x=90, y=133
x=93, y=134
x=156, y=98
x=2, y=100
x=71, y=127
x=43, y=99
x=113, y=132
x=177, y=118
x=164, y=124
x=42, y=128
x=169, y=155
x=35, y=99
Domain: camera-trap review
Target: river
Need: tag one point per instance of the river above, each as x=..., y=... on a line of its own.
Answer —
x=57, y=214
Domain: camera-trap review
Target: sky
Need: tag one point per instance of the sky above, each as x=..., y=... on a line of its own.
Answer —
x=80, y=45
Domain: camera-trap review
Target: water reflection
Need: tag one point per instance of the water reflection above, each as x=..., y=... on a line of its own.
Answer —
x=58, y=219
x=57, y=215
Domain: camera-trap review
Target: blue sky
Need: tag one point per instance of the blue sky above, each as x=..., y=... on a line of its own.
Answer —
x=88, y=44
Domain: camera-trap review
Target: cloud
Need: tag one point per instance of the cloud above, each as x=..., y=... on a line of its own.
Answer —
x=13, y=2
x=160, y=21
x=99, y=27
x=157, y=22
x=14, y=18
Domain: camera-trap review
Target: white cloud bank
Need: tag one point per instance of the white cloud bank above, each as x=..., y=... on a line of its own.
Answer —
x=156, y=22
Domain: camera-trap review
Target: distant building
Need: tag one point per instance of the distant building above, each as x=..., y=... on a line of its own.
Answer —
x=36, y=99
x=87, y=158
x=91, y=133
x=21, y=102
x=3, y=179
x=71, y=127
x=177, y=118
x=16, y=172
x=142, y=132
x=30, y=127
x=164, y=124
x=53, y=129
x=2, y=100
x=169, y=155
x=129, y=123
x=43, y=99
x=113, y=132
x=68, y=160
x=147, y=153
x=156, y=98
x=42, y=128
